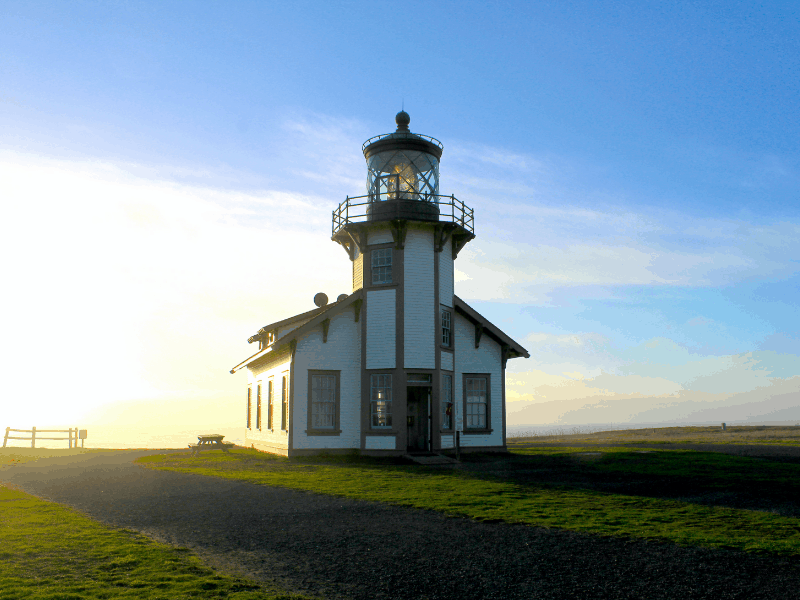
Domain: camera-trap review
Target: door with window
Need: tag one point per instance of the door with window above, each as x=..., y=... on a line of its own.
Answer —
x=417, y=418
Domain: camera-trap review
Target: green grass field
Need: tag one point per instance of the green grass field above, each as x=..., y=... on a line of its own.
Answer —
x=51, y=552
x=608, y=492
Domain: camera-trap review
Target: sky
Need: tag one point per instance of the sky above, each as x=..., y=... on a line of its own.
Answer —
x=168, y=171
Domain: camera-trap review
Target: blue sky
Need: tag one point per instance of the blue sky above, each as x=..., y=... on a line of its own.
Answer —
x=634, y=168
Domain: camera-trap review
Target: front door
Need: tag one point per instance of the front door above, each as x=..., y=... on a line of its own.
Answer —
x=418, y=398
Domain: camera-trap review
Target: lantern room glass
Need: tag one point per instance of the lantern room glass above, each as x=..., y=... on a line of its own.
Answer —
x=402, y=175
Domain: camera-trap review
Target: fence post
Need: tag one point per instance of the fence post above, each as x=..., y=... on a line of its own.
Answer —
x=5, y=439
x=33, y=437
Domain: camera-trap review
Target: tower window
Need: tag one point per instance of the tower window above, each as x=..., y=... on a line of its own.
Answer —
x=447, y=402
x=447, y=329
x=382, y=266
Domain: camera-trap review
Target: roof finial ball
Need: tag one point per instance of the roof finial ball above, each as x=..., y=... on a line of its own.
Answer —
x=402, y=119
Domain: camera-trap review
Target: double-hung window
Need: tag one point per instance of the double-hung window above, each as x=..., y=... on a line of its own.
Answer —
x=249, y=404
x=284, y=402
x=381, y=265
x=270, y=398
x=447, y=328
x=447, y=401
x=476, y=400
x=323, y=400
x=381, y=400
x=258, y=406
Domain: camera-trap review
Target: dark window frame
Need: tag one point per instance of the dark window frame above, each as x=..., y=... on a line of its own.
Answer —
x=258, y=406
x=270, y=402
x=284, y=400
x=488, y=378
x=381, y=248
x=372, y=402
x=446, y=333
x=443, y=402
x=249, y=405
x=336, y=429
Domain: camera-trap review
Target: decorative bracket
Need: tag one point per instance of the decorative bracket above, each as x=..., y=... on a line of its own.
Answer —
x=504, y=352
x=325, y=324
x=478, y=334
x=357, y=308
x=441, y=236
x=399, y=229
x=292, y=347
x=359, y=239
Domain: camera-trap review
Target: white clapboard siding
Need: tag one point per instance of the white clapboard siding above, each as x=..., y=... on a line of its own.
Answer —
x=358, y=272
x=381, y=329
x=380, y=442
x=447, y=361
x=342, y=352
x=380, y=236
x=275, y=440
x=485, y=359
x=445, y=258
x=419, y=300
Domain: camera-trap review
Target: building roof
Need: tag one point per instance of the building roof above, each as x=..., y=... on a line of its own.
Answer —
x=317, y=317
x=513, y=348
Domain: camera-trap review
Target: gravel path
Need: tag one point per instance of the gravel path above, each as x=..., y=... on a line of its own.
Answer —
x=358, y=550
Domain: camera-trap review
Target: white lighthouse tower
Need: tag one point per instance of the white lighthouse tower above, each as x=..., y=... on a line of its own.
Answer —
x=401, y=365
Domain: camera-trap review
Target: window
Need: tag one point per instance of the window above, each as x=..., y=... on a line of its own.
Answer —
x=258, y=407
x=447, y=402
x=382, y=266
x=249, y=411
x=476, y=400
x=447, y=332
x=270, y=396
x=323, y=401
x=284, y=402
x=381, y=400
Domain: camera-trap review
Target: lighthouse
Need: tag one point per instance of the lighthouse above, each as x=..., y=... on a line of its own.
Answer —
x=401, y=365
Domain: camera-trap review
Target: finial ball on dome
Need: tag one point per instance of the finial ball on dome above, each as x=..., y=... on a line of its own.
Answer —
x=402, y=119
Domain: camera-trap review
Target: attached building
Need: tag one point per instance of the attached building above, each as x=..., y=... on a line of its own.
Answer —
x=402, y=364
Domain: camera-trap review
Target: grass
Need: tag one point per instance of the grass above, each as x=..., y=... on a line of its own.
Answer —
x=51, y=552
x=735, y=434
x=612, y=492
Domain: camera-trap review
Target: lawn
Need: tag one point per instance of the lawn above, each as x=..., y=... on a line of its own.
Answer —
x=48, y=551
x=685, y=497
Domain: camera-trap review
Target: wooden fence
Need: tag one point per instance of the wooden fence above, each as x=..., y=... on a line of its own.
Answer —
x=72, y=434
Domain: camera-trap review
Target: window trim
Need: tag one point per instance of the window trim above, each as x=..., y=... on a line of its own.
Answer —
x=384, y=246
x=442, y=428
x=442, y=311
x=382, y=428
x=488, y=428
x=336, y=430
x=258, y=406
x=285, y=401
x=249, y=405
x=270, y=402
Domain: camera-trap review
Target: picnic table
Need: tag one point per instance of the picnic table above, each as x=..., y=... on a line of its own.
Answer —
x=210, y=441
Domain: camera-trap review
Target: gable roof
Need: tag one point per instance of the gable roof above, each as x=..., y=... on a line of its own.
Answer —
x=514, y=349
x=289, y=321
x=319, y=315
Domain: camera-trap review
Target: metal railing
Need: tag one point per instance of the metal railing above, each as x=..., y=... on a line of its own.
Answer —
x=395, y=136
x=356, y=209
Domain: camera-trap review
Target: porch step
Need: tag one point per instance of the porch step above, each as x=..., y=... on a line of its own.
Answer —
x=431, y=459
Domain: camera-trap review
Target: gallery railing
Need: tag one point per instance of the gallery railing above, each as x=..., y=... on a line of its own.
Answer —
x=360, y=209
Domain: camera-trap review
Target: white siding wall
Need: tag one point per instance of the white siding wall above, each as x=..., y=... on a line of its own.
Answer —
x=380, y=442
x=275, y=440
x=447, y=360
x=419, y=308
x=381, y=329
x=485, y=359
x=341, y=352
x=446, y=275
x=379, y=236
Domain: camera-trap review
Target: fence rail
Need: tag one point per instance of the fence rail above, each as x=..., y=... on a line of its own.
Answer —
x=72, y=434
